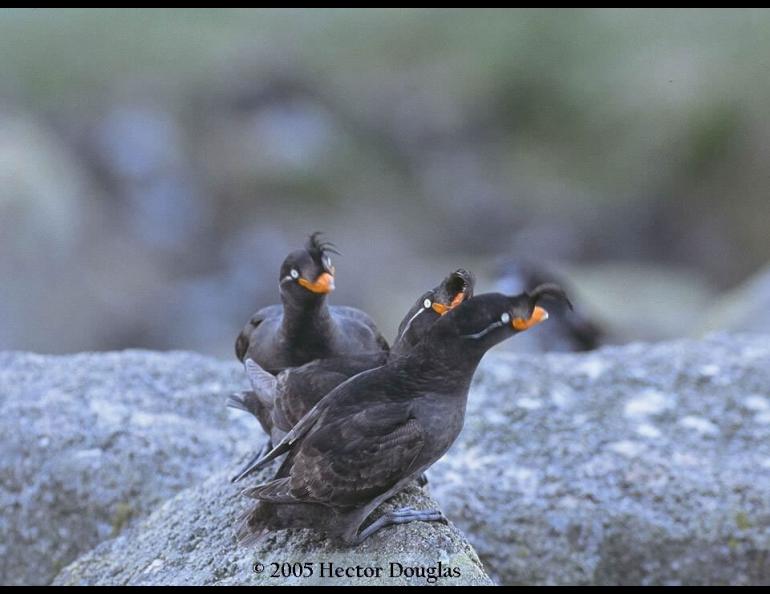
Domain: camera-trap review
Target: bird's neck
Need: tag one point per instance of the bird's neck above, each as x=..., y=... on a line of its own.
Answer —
x=310, y=320
x=447, y=362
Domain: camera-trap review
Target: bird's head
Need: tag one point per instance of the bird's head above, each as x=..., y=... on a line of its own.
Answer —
x=448, y=294
x=486, y=320
x=308, y=273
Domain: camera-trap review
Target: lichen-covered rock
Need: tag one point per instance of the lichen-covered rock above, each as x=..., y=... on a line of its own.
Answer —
x=190, y=540
x=90, y=443
x=645, y=464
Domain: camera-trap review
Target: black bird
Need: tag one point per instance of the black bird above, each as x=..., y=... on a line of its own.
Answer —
x=448, y=294
x=370, y=436
x=304, y=327
x=279, y=402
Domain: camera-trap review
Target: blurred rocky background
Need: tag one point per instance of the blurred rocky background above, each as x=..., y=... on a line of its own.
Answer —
x=157, y=165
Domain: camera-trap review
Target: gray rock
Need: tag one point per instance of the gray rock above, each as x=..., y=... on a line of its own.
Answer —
x=645, y=464
x=191, y=540
x=91, y=443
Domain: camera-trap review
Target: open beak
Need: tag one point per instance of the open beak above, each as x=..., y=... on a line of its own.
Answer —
x=538, y=315
x=441, y=309
x=323, y=284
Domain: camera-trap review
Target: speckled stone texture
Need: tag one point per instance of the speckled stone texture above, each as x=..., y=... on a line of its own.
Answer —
x=645, y=464
x=190, y=540
x=92, y=442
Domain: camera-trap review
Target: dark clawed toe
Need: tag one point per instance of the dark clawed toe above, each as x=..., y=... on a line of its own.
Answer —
x=439, y=517
x=429, y=515
x=403, y=515
x=402, y=511
x=409, y=514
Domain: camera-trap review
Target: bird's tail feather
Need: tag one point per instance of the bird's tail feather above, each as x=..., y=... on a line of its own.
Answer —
x=238, y=401
x=275, y=491
x=253, y=524
x=266, y=516
x=262, y=382
x=249, y=402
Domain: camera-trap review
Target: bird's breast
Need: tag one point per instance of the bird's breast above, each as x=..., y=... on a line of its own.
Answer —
x=441, y=417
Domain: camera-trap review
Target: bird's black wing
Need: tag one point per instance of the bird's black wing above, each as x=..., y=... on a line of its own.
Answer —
x=350, y=395
x=300, y=391
x=348, y=459
x=346, y=314
x=242, y=342
x=303, y=387
x=248, y=401
x=351, y=365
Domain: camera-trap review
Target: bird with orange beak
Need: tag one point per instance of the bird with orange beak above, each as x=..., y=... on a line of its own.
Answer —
x=304, y=327
x=376, y=432
x=279, y=401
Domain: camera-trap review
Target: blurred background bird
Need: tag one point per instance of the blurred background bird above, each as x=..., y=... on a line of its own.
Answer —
x=156, y=166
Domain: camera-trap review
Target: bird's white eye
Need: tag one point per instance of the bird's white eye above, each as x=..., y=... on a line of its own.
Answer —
x=505, y=318
x=294, y=273
x=427, y=303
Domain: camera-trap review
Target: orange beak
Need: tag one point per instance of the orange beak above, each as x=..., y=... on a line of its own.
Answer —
x=538, y=315
x=441, y=309
x=323, y=284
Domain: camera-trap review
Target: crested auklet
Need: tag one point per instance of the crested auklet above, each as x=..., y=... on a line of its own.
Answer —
x=365, y=440
x=304, y=327
x=279, y=402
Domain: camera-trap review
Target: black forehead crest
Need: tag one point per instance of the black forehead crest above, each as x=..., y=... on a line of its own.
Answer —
x=317, y=247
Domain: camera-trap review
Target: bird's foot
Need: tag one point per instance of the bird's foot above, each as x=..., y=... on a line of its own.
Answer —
x=402, y=515
x=422, y=480
x=268, y=445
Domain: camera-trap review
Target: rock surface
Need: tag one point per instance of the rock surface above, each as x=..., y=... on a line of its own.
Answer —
x=92, y=442
x=645, y=464
x=190, y=540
